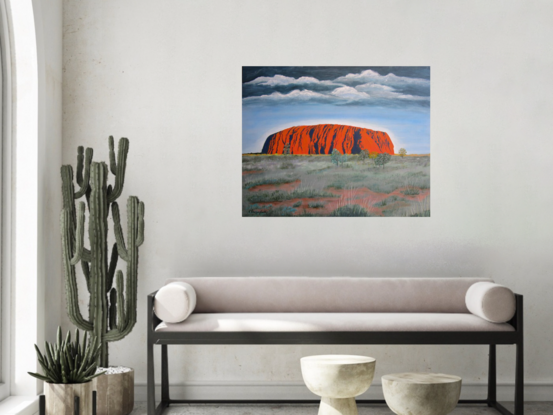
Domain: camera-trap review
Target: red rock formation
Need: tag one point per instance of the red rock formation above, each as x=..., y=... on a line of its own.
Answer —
x=323, y=138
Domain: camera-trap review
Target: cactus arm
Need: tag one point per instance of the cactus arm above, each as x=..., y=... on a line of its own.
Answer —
x=79, y=240
x=68, y=192
x=121, y=315
x=84, y=180
x=86, y=255
x=121, y=248
x=120, y=169
x=112, y=164
x=81, y=253
x=113, y=309
x=134, y=216
x=140, y=238
x=86, y=273
x=80, y=159
x=112, y=265
x=72, y=293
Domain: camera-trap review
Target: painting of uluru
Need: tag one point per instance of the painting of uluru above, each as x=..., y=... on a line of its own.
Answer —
x=336, y=141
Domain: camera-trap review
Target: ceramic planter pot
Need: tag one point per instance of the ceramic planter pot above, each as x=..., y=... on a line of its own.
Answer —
x=60, y=398
x=114, y=393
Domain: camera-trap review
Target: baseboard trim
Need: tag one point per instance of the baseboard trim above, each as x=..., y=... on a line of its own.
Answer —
x=533, y=391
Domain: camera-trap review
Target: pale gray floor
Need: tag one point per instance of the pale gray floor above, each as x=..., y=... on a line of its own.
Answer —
x=531, y=408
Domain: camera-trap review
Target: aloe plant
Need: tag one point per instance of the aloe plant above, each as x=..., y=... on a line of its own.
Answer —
x=67, y=361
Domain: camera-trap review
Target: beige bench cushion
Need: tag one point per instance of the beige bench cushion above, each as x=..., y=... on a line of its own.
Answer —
x=329, y=294
x=260, y=322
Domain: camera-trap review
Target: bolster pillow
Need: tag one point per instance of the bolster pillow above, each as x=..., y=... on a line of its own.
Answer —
x=174, y=302
x=492, y=302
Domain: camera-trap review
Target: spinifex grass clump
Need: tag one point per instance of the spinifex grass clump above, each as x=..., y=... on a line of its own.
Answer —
x=67, y=361
x=111, y=310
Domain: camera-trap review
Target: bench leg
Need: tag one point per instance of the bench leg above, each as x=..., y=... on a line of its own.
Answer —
x=492, y=376
x=519, y=380
x=151, y=380
x=164, y=374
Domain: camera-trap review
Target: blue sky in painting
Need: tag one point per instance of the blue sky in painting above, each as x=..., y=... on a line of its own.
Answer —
x=391, y=99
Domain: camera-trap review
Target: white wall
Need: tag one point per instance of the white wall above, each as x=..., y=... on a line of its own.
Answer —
x=168, y=76
x=48, y=17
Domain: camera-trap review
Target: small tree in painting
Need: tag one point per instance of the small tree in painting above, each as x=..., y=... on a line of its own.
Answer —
x=286, y=149
x=382, y=159
x=343, y=158
x=364, y=155
x=336, y=156
x=402, y=152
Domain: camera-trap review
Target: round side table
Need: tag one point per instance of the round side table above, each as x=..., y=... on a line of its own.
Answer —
x=338, y=379
x=421, y=393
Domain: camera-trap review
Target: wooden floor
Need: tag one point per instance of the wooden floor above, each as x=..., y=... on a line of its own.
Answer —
x=531, y=408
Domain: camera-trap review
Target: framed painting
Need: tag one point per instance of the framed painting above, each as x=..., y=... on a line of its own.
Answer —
x=336, y=141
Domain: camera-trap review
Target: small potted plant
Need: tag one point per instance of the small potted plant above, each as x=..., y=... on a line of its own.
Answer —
x=69, y=368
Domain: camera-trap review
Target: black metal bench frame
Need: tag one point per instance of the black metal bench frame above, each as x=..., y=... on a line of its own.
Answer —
x=492, y=339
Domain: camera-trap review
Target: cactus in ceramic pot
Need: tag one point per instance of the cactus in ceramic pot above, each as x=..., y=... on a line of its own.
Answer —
x=112, y=300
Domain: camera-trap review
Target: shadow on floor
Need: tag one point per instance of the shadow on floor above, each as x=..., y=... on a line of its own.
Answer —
x=530, y=408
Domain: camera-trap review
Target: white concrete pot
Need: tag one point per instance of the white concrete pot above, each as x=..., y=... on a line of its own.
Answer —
x=114, y=393
x=338, y=379
x=60, y=398
x=421, y=393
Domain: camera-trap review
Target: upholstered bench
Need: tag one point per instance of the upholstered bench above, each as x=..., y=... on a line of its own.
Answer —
x=334, y=310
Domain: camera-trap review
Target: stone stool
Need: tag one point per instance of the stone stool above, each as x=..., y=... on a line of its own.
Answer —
x=337, y=379
x=421, y=393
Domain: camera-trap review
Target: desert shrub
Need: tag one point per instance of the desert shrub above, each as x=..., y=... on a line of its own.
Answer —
x=275, y=181
x=287, y=165
x=318, y=170
x=257, y=210
x=419, y=208
x=350, y=210
x=402, y=152
x=316, y=205
x=251, y=168
x=280, y=195
x=297, y=204
x=411, y=192
x=281, y=211
x=387, y=201
x=268, y=210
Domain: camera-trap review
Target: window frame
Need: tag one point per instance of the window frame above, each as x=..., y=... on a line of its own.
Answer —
x=5, y=201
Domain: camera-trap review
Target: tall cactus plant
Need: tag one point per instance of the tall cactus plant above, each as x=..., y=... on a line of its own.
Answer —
x=111, y=309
